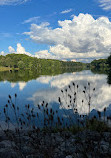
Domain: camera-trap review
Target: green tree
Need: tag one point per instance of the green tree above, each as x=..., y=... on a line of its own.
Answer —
x=109, y=61
x=21, y=65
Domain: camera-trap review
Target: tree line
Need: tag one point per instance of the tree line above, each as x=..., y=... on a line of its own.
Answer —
x=23, y=61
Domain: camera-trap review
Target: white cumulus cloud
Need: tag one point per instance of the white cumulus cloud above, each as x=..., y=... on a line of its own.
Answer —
x=81, y=37
x=2, y=53
x=20, y=50
x=11, y=49
x=45, y=54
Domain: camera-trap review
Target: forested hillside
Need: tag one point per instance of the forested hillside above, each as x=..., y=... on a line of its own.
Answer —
x=22, y=61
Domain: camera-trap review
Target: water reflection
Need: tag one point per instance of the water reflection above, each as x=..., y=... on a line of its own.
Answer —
x=37, y=88
x=100, y=99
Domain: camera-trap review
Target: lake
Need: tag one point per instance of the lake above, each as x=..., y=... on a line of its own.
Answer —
x=32, y=88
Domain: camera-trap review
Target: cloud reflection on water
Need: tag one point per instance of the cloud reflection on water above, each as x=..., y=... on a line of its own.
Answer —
x=101, y=97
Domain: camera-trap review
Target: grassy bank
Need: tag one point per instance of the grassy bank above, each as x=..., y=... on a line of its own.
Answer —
x=7, y=68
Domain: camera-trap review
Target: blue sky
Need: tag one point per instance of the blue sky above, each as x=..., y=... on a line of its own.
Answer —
x=59, y=29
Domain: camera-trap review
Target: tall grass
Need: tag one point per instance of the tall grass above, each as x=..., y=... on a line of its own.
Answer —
x=31, y=123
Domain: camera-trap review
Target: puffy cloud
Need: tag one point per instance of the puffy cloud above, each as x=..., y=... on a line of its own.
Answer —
x=45, y=55
x=81, y=37
x=11, y=49
x=2, y=53
x=20, y=50
x=12, y=2
x=66, y=11
x=31, y=20
x=105, y=4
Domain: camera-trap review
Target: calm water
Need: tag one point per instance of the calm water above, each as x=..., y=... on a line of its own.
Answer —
x=48, y=88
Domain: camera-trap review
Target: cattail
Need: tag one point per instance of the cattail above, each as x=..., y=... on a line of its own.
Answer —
x=13, y=105
x=94, y=117
x=24, y=122
x=33, y=115
x=50, y=110
x=46, y=105
x=105, y=109
x=93, y=89
x=15, y=95
x=8, y=118
x=104, y=113
x=51, y=117
x=99, y=114
x=58, y=119
x=59, y=99
x=6, y=106
x=74, y=100
x=47, y=112
x=9, y=97
x=107, y=118
x=38, y=106
x=73, y=84
x=4, y=110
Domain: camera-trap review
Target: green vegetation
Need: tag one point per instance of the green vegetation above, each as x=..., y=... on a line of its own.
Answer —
x=26, y=75
x=22, y=61
x=109, y=61
x=109, y=72
x=101, y=63
x=31, y=67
